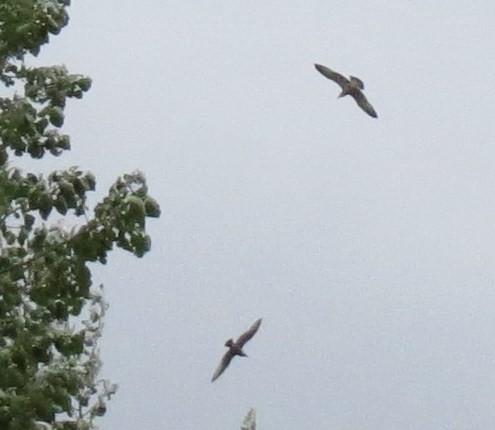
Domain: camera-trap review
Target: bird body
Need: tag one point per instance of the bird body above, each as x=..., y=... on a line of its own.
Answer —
x=235, y=348
x=352, y=87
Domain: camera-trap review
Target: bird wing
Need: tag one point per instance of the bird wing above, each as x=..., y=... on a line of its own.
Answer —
x=244, y=337
x=330, y=74
x=364, y=104
x=226, y=359
x=359, y=83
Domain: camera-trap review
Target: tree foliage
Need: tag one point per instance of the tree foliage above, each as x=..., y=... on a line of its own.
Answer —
x=50, y=311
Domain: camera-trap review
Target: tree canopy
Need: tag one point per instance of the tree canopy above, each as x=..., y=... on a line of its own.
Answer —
x=50, y=311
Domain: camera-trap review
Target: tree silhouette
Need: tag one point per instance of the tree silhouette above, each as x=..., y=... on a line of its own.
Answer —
x=50, y=311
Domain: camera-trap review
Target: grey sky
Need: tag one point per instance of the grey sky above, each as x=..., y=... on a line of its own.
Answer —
x=366, y=245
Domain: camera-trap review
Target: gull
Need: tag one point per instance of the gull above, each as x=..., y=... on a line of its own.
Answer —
x=352, y=87
x=235, y=348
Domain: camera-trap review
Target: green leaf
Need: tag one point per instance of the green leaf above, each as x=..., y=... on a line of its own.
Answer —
x=3, y=155
x=45, y=205
x=151, y=207
x=89, y=181
x=56, y=115
x=9, y=237
x=142, y=244
x=79, y=187
x=68, y=192
x=135, y=209
x=21, y=238
x=63, y=142
x=28, y=221
x=60, y=204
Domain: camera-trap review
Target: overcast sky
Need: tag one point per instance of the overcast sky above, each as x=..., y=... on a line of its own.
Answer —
x=367, y=245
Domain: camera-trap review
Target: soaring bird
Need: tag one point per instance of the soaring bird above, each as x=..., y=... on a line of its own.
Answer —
x=235, y=348
x=352, y=87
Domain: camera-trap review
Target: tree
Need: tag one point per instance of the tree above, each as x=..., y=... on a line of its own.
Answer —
x=249, y=421
x=50, y=312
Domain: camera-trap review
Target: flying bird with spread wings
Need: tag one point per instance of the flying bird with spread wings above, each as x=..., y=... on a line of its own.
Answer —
x=351, y=87
x=235, y=348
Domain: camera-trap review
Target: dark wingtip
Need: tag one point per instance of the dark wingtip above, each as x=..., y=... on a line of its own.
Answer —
x=258, y=322
x=215, y=376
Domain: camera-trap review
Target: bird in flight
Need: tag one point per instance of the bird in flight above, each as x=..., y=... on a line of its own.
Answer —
x=235, y=348
x=352, y=87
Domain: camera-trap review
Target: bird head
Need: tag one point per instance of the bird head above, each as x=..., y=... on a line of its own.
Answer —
x=229, y=343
